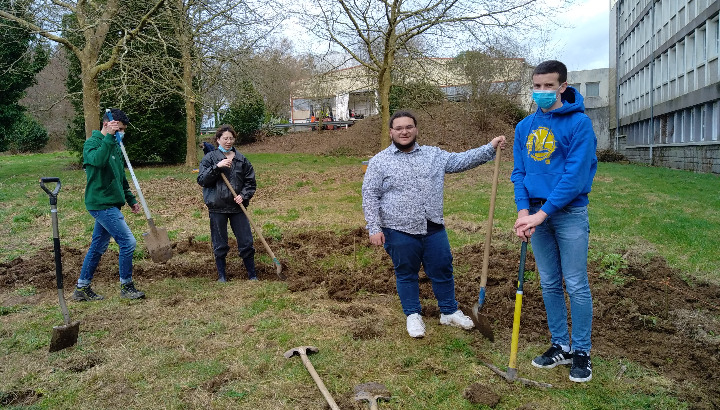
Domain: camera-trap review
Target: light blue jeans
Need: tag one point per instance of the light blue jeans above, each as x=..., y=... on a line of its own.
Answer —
x=560, y=246
x=433, y=252
x=109, y=223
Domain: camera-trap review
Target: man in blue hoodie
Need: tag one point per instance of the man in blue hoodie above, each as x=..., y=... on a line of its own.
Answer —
x=555, y=162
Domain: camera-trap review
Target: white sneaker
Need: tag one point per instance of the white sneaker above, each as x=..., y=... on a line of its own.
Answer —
x=457, y=319
x=415, y=325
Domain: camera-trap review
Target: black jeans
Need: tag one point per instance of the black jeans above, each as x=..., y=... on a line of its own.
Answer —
x=219, y=234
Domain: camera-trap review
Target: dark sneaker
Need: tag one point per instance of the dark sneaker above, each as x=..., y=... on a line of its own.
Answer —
x=128, y=291
x=553, y=357
x=581, y=370
x=84, y=294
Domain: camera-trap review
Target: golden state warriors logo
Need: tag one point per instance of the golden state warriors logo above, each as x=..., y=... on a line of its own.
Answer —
x=541, y=144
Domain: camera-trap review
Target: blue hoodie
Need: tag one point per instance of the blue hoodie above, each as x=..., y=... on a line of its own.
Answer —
x=554, y=155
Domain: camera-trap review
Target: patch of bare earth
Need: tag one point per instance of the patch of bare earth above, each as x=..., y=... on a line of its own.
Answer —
x=656, y=319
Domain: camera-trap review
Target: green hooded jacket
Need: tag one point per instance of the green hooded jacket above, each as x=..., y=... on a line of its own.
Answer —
x=106, y=185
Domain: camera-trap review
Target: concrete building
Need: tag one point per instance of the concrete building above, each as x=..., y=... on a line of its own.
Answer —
x=666, y=82
x=594, y=85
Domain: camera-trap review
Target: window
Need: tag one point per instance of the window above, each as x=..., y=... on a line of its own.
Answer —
x=592, y=89
x=715, y=128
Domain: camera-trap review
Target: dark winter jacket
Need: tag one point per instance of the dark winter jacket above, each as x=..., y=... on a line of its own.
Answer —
x=216, y=194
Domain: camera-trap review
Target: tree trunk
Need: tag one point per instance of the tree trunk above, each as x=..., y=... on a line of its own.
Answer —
x=384, y=83
x=91, y=101
x=189, y=96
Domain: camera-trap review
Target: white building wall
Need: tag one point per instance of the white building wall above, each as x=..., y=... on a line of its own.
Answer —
x=594, y=86
x=668, y=82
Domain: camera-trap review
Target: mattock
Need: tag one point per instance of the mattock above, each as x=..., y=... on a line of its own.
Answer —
x=303, y=351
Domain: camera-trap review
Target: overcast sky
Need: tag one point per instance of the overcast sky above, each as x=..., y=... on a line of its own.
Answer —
x=584, y=45
x=582, y=42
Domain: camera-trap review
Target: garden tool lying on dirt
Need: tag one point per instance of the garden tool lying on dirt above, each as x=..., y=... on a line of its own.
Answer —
x=157, y=240
x=303, y=351
x=65, y=335
x=481, y=321
x=278, y=267
x=511, y=374
x=371, y=392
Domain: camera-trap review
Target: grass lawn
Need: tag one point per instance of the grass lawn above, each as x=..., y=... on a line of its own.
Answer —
x=195, y=343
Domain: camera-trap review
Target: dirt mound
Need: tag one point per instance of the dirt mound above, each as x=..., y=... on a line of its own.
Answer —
x=437, y=124
x=649, y=319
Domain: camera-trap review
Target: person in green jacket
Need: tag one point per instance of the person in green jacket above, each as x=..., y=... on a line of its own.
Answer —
x=106, y=191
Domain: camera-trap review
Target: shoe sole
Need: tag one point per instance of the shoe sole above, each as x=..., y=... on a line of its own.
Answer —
x=550, y=366
x=84, y=299
x=581, y=379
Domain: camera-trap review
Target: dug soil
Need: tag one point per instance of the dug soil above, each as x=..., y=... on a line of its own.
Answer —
x=656, y=318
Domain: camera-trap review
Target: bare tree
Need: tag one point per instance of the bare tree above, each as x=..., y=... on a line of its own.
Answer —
x=375, y=32
x=195, y=35
x=94, y=21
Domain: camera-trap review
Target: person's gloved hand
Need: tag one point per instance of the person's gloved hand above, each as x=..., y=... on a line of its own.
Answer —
x=119, y=136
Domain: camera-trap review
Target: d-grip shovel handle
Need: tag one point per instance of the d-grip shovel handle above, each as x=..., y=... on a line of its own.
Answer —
x=56, y=234
x=54, y=192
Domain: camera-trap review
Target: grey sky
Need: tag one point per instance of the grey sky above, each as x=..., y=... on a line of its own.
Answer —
x=584, y=45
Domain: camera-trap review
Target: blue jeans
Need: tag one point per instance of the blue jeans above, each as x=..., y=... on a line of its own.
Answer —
x=433, y=252
x=560, y=246
x=109, y=223
x=219, y=234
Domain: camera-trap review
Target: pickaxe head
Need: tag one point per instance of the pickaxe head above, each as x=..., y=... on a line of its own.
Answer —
x=301, y=350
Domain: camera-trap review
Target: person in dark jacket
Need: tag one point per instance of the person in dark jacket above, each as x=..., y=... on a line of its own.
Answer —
x=222, y=205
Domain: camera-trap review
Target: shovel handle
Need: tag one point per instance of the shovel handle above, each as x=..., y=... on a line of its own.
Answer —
x=512, y=366
x=319, y=382
x=255, y=228
x=488, y=234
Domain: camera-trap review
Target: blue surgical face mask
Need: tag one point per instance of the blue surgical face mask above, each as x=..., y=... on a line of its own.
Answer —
x=220, y=147
x=545, y=98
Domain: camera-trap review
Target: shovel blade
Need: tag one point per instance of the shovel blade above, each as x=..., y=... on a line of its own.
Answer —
x=482, y=323
x=158, y=245
x=64, y=336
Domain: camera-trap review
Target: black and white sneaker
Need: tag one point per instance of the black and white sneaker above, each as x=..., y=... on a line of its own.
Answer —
x=581, y=370
x=553, y=357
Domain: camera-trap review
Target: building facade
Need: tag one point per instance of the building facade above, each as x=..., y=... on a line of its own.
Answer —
x=666, y=82
x=594, y=86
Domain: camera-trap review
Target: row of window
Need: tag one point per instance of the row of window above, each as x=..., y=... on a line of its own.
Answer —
x=686, y=66
x=670, y=17
x=695, y=124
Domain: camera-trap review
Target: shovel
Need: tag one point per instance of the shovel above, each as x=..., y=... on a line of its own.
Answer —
x=371, y=392
x=65, y=335
x=303, y=352
x=278, y=267
x=156, y=241
x=511, y=374
x=481, y=321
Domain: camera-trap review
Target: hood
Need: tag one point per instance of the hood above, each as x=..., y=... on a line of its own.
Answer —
x=572, y=101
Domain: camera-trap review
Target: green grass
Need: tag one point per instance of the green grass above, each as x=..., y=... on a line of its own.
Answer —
x=199, y=344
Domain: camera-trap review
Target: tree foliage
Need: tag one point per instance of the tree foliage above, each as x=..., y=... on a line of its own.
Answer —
x=157, y=119
x=88, y=38
x=22, y=56
x=246, y=113
x=414, y=95
x=27, y=135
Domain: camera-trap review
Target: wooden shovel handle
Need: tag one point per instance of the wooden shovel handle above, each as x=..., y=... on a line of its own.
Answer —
x=255, y=228
x=488, y=234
